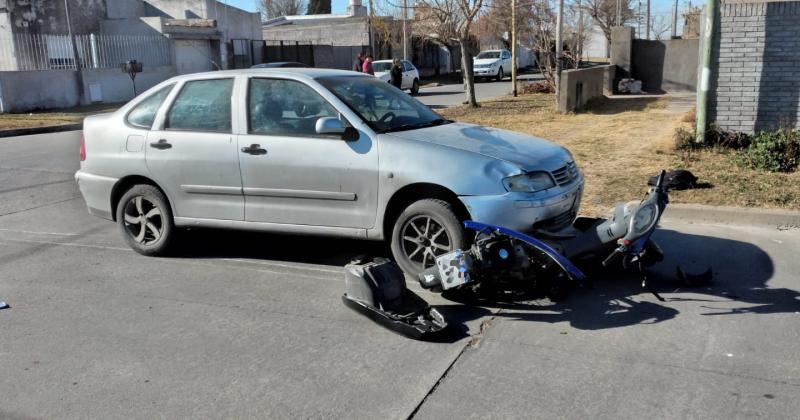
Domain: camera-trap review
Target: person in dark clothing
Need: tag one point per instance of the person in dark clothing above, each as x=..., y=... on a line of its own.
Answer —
x=358, y=63
x=397, y=73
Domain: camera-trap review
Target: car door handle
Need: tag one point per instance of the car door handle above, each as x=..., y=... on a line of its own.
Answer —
x=254, y=149
x=161, y=144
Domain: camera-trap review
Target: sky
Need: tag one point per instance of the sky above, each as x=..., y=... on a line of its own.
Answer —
x=340, y=6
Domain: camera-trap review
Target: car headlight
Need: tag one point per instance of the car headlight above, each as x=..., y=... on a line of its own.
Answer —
x=530, y=182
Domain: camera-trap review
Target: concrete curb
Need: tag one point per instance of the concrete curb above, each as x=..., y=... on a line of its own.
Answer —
x=40, y=130
x=733, y=215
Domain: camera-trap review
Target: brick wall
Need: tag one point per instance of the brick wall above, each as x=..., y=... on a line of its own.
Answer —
x=755, y=83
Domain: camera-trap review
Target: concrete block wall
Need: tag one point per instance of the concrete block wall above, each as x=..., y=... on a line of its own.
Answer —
x=755, y=79
x=23, y=91
x=580, y=86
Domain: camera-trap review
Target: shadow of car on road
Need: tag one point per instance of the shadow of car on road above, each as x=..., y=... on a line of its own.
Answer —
x=741, y=275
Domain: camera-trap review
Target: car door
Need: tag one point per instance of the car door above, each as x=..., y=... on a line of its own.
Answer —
x=408, y=75
x=192, y=152
x=291, y=174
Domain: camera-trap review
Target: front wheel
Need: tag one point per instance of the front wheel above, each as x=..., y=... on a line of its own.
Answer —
x=500, y=75
x=415, y=87
x=145, y=219
x=425, y=230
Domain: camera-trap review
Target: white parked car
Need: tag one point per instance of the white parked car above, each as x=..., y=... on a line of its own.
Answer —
x=382, y=70
x=492, y=64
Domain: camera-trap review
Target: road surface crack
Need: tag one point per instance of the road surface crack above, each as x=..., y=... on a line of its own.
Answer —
x=474, y=341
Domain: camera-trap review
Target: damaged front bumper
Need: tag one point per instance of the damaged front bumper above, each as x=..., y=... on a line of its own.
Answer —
x=523, y=212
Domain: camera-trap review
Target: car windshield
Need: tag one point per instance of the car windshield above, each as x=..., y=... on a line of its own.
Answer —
x=382, y=106
x=382, y=66
x=489, y=54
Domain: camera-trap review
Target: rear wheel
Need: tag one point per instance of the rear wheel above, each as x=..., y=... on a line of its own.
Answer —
x=145, y=219
x=425, y=230
x=415, y=87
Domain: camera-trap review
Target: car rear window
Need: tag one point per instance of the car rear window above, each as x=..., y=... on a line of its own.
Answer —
x=144, y=114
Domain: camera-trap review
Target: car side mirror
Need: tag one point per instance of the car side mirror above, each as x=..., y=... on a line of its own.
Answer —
x=334, y=126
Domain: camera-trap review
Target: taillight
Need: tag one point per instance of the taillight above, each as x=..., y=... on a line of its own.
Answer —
x=83, y=148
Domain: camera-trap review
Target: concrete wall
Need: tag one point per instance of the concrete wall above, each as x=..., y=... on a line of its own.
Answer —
x=622, y=49
x=580, y=86
x=19, y=92
x=755, y=77
x=124, y=9
x=353, y=32
x=49, y=16
x=22, y=91
x=666, y=66
x=117, y=87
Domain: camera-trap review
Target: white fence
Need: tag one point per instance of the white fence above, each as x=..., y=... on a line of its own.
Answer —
x=57, y=52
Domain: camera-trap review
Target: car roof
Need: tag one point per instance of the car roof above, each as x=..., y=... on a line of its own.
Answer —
x=387, y=61
x=310, y=72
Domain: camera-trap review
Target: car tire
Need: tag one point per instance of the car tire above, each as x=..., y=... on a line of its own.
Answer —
x=145, y=220
x=415, y=87
x=500, y=74
x=423, y=231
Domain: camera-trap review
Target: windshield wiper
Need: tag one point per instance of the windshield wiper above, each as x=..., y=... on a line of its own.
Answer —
x=431, y=123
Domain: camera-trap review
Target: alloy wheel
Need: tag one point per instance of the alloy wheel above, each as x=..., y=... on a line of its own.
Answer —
x=143, y=220
x=424, y=239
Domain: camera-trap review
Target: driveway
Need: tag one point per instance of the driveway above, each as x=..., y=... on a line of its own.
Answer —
x=251, y=325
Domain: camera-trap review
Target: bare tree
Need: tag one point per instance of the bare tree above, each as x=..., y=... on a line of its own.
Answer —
x=271, y=9
x=452, y=20
x=604, y=13
x=660, y=26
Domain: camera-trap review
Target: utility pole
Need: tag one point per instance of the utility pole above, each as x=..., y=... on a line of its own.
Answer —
x=76, y=57
x=559, y=46
x=647, y=26
x=619, y=12
x=579, y=44
x=514, y=47
x=405, y=18
x=675, y=20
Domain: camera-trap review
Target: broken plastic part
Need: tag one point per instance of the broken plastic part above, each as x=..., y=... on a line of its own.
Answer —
x=377, y=289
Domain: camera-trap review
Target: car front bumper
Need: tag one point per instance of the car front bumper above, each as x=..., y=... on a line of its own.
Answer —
x=520, y=211
x=486, y=72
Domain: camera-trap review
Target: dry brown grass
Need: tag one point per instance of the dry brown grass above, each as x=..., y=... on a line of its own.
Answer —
x=621, y=142
x=52, y=117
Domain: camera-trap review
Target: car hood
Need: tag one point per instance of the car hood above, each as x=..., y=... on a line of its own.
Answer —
x=527, y=152
x=483, y=61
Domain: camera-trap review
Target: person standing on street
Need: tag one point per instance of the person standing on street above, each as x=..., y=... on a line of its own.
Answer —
x=358, y=62
x=397, y=73
x=367, y=68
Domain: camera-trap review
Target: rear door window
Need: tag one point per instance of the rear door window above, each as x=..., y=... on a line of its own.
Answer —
x=143, y=114
x=202, y=105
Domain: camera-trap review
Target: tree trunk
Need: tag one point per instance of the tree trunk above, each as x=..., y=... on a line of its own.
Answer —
x=466, y=72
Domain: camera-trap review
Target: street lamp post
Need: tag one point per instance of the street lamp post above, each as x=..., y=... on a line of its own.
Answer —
x=75, y=57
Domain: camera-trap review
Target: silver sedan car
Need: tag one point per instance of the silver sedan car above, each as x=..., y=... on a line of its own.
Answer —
x=311, y=151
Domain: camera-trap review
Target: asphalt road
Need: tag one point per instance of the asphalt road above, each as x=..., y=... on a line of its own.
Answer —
x=251, y=325
x=450, y=95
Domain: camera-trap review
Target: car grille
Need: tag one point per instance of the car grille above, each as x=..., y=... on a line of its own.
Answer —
x=566, y=174
x=556, y=223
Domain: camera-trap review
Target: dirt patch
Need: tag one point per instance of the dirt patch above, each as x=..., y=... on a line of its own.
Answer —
x=620, y=142
x=52, y=117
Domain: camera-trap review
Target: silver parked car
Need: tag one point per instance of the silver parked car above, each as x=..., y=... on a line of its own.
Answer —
x=312, y=151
